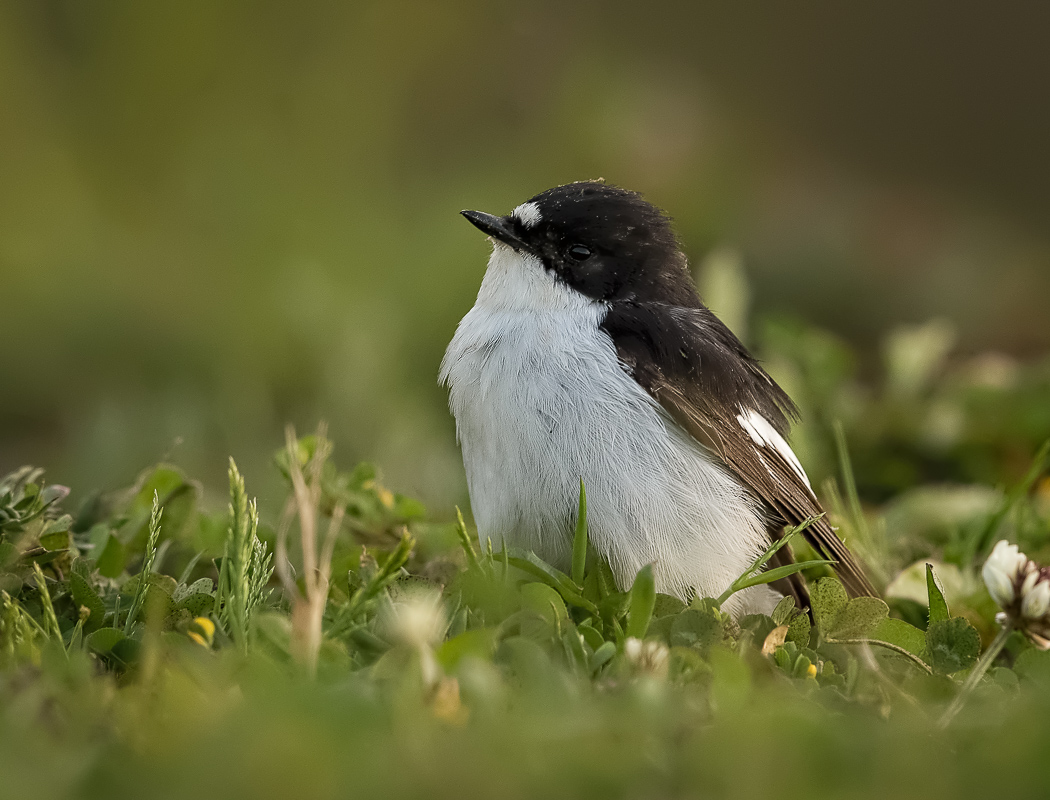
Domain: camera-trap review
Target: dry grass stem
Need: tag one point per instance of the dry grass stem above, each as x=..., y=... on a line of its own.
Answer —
x=308, y=604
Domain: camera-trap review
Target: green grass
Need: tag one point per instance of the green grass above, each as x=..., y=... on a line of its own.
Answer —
x=154, y=645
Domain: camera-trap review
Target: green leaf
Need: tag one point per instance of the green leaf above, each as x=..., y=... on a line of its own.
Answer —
x=76, y=638
x=199, y=586
x=614, y=606
x=777, y=573
x=900, y=633
x=579, y=540
x=161, y=479
x=154, y=604
x=55, y=535
x=55, y=541
x=643, y=600
x=696, y=627
x=47, y=557
x=60, y=525
x=166, y=583
x=591, y=635
x=1034, y=666
x=782, y=613
x=530, y=563
x=8, y=554
x=784, y=656
x=687, y=665
x=858, y=618
x=799, y=629
x=84, y=595
x=938, y=605
x=52, y=493
x=105, y=639
x=602, y=656
x=758, y=625
x=113, y=559
x=606, y=580
x=753, y=576
x=477, y=643
x=667, y=605
x=828, y=599
x=591, y=587
x=573, y=645
x=125, y=651
x=545, y=601
x=197, y=604
x=952, y=645
x=801, y=667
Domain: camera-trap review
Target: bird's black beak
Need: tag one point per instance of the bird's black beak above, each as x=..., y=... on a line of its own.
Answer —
x=499, y=228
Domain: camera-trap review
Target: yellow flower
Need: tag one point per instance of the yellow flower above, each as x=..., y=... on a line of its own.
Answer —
x=386, y=497
x=202, y=631
x=446, y=705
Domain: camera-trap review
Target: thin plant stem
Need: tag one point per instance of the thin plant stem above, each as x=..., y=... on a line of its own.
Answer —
x=283, y=565
x=977, y=673
x=308, y=605
x=918, y=662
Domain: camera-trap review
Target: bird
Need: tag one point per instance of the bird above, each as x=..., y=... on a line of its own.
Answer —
x=590, y=357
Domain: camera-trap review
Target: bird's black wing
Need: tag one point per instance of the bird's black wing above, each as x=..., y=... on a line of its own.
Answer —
x=702, y=375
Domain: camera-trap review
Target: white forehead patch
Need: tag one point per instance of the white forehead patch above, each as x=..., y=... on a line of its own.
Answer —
x=528, y=214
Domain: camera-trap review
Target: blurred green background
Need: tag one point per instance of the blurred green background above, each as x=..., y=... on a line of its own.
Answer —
x=219, y=217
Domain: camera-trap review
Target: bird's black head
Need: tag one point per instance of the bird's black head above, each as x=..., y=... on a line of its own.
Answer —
x=603, y=241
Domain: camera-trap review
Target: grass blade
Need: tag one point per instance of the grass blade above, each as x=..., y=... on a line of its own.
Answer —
x=643, y=601
x=147, y=562
x=579, y=540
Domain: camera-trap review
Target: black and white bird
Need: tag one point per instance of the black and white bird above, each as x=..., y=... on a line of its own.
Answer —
x=589, y=355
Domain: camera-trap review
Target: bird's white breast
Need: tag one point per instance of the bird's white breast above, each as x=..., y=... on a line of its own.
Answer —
x=541, y=401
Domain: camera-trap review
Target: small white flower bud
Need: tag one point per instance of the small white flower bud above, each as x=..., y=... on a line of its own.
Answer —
x=1002, y=570
x=649, y=657
x=1036, y=601
x=632, y=649
x=1029, y=581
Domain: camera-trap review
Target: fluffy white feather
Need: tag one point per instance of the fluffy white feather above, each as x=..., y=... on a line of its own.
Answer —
x=541, y=401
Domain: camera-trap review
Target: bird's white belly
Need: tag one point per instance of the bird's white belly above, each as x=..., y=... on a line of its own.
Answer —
x=541, y=402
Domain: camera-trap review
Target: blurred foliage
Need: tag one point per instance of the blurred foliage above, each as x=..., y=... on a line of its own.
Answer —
x=145, y=648
x=217, y=217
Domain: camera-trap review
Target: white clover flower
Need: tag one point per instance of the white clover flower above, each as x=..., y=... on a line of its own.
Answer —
x=1003, y=570
x=1021, y=588
x=648, y=658
x=417, y=619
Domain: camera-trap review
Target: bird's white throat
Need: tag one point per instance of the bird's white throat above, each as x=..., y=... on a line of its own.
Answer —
x=541, y=401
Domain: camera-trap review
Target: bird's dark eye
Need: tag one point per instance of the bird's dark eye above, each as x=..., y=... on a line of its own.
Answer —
x=579, y=252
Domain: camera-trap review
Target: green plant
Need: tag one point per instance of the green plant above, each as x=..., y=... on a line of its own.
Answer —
x=361, y=644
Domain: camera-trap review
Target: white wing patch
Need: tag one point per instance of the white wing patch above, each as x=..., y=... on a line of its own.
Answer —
x=765, y=435
x=528, y=214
